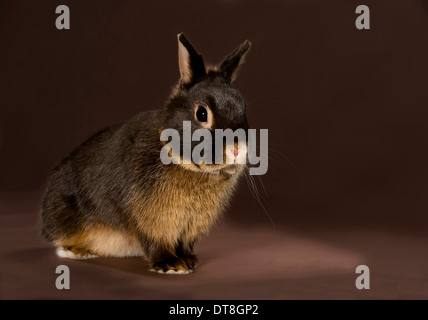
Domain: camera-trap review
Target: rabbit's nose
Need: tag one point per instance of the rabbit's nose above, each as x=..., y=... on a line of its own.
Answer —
x=235, y=152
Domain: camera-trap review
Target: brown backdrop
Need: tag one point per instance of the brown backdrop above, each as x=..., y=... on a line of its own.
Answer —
x=346, y=109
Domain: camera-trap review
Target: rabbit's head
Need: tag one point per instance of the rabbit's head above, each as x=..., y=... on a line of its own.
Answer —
x=205, y=98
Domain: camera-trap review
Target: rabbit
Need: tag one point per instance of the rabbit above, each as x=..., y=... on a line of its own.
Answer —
x=113, y=197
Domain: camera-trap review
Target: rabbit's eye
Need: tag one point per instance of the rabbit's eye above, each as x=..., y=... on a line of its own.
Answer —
x=202, y=114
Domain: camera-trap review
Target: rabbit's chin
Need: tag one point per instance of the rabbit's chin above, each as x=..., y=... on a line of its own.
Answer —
x=215, y=169
x=227, y=169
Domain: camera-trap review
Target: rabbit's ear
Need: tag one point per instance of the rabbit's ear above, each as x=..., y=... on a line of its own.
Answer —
x=229, y=66
x=190, y=62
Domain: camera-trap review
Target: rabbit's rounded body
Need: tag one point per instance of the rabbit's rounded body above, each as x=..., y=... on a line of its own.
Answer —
x=113, y=196
x=113, y=190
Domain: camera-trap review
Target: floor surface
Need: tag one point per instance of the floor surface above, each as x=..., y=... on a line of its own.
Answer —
x=301, y=261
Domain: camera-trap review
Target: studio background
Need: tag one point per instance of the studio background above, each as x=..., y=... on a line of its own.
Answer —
x=346, y=111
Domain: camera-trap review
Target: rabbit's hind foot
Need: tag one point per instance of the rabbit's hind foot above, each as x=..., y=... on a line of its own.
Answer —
x=74, y=253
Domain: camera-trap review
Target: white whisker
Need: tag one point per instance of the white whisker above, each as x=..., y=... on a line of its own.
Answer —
x=254, y=191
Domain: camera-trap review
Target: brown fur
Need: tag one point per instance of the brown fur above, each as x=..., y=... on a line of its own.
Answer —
x=191, y=203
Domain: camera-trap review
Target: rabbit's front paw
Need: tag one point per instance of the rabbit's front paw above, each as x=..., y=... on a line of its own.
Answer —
x=191, y=260
x=171, y=265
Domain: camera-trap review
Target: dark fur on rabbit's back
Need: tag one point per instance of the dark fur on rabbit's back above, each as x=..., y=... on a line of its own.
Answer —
x=112, y=196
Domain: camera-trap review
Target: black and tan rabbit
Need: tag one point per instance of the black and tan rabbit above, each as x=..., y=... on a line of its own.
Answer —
x=112, y=196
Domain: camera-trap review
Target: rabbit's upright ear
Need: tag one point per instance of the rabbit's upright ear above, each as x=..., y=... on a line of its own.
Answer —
x=229, y=66
x=190, y=62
